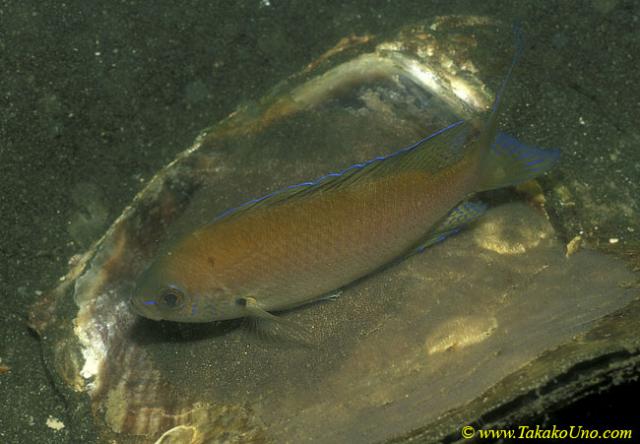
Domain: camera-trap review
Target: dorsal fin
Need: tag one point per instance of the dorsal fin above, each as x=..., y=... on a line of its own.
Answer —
x=519, y=47
x=414, y=156
x=492, y=122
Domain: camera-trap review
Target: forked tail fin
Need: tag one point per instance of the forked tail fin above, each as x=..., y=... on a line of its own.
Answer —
x=508, y=161
x=512, y=162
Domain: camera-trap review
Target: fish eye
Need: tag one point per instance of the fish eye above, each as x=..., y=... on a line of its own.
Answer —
x=172, y=298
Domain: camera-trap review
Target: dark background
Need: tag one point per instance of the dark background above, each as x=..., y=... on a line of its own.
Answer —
x=97, y=96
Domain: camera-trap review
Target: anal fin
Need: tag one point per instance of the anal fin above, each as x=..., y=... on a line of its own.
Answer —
x=460, y=216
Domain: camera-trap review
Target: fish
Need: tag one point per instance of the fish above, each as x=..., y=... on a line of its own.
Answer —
x=309, y=240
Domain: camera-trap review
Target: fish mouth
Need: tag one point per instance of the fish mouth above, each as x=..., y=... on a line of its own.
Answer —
x=140, y=310
x=134, y=306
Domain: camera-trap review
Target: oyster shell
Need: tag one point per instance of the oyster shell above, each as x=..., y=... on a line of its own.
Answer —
x=401, y=353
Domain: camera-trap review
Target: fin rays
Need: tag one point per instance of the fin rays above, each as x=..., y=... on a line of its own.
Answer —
x=338, y=179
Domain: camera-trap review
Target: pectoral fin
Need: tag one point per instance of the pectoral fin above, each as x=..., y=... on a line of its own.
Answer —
x=272, y=325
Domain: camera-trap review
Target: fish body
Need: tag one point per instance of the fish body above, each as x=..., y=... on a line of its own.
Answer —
x=305, y=241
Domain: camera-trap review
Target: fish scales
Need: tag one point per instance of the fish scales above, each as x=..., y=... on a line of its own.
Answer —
x=307, y=240
x=302, y=250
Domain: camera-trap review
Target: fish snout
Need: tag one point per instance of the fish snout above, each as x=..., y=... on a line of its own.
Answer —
x=140, y=309
x=134, y=305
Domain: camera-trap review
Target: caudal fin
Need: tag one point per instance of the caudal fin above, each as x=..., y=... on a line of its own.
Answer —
x=511, y=162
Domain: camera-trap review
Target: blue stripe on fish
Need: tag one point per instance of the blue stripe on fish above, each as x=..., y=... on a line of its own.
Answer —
x=323, y=179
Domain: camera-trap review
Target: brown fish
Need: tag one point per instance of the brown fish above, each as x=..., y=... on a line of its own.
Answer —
x=303, y=242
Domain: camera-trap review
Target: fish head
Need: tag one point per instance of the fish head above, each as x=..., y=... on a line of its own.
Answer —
x=172, y=291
